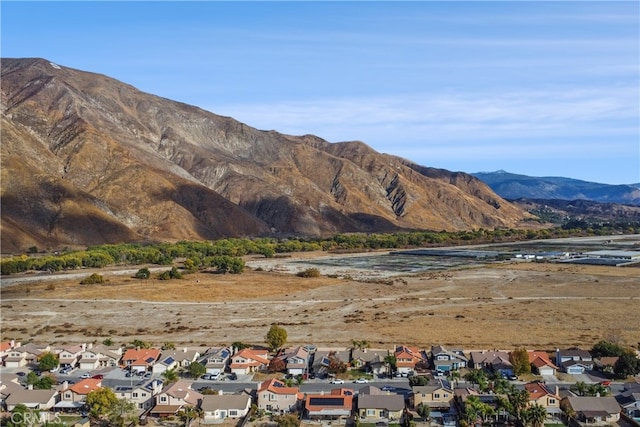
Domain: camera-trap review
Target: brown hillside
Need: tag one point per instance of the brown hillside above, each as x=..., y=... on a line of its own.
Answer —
x=87, y=159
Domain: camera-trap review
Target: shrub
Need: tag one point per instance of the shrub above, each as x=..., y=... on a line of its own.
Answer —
x=93, y=279
x=309, y=272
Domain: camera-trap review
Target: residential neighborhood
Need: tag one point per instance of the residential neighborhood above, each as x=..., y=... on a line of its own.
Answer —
x=358, y=385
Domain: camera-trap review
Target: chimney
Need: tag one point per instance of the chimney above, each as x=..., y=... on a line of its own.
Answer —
x=90, y=346
x=84, y=346
x=558, y=360
x=184, y=350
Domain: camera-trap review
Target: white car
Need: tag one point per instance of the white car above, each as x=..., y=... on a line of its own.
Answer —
x=55, y=369
x=85, y=376
x=337, y=381
x=361, y=381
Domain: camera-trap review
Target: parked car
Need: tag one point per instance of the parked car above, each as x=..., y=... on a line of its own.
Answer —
x=85, y=375
x=233, y=376
x=388, y=388
x=337, y=381
x=20, y=374
x=98, y=377
x=361, y=381
x=55, y=369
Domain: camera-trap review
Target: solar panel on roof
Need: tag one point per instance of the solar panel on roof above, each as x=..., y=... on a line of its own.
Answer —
x=149, y=359
x=169, y=360
x=326, y=401
x=224, y=353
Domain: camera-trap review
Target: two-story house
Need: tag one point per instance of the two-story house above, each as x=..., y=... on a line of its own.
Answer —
x=248, y=360
x=545, y=396
x=99, y=356
x=437, y=395
x=408, y=358
x=574, y=360
x=174, y=397
x=140, y=359
x=142, y=395
x=296, y=361
x=75, y=395
x=495, y=361
x=216, y=360
x=275, y=397
x=70, y=355
x=446, y=360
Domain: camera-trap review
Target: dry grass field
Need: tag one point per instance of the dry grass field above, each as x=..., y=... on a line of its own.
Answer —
x=541, y=306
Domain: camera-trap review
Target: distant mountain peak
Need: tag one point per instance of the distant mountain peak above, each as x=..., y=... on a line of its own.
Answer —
x=87, y=159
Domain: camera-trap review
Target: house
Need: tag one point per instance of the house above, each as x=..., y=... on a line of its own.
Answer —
x=183, y=357
x=543, y=395
x=165, y=363
x=606, y=363
x=323, y=358
x=376, y=405
x=337, y=404
x=78, y=392
x=25, y=355
x=574, y=360
x=143, y=395
x=437, y=395
x=495, y=361
x=541, y=364
x=447, y=360
x=174, y=397
x=629, y=400
x=371, y=360
x=248, y=360
x=6, y=347
x=217, y=408
x=99, y=356
x=408, y=358
x=275, y=397
x=33, y=399
x=140, y=359
x=69, y=356
x=296, y=361
x=594, y=410
x=215, y=360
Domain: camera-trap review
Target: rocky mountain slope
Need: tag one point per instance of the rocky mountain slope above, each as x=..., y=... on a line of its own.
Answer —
x=514, y=186
x=87, y=159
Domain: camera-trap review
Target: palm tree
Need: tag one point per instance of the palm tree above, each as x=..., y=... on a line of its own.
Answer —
x=579, y=388
x=454, y=376
x=390, y=363
x=519, y=400
x=189, y=413
x=170, y=375
x=536, y=415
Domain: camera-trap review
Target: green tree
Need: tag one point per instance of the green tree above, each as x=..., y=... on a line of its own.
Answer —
x=535, y=415
x=122, y=413
x=519, y=399
x=196, y=369
x=44, y=382
x=101, y=402
x=95, y=278
x=423, y=410
x=189, y=413
x=170, y=376
x=137, y=343
x=626, y=365
x=605, y=348
x=580, y=388
x=47, y=361
x=276, y=337
x=21, y=416
x=168, y=345
x=108, y=342
x=143, y=273
x=390, y=362
x=519, y=358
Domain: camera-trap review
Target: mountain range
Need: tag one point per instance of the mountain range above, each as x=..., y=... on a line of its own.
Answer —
x=87, y=160
x=513, y=186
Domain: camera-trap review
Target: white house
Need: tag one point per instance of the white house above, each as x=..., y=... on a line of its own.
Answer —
x=217, y=408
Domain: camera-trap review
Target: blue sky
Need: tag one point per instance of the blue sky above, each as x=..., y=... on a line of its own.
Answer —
x=537, y=88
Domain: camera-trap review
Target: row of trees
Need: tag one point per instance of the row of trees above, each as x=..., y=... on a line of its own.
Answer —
x=205, y=253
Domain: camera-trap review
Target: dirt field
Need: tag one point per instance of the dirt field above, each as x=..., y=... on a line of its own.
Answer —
x=541, y=306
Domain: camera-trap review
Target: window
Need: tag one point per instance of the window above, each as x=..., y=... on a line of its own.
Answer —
x=163, y=398
x=436, y=395
x=135, y=394
x=233, y=413
x=371, y=412
x=552, y=401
